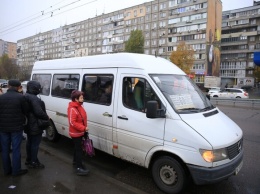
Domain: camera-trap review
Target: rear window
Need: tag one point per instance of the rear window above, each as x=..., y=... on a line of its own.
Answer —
x=235, y=91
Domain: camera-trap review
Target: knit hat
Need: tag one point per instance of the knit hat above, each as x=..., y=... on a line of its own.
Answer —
x=14, y=83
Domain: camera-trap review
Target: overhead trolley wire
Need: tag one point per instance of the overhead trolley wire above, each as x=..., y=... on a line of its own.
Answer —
x=31, y=16
x=4, y=32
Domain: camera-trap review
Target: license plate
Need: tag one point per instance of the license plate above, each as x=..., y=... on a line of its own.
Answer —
x=238, y=168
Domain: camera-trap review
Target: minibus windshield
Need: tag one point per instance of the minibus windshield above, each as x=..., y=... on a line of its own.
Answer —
x=182, y=93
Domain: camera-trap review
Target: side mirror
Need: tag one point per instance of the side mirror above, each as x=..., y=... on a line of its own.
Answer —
x=153, y=111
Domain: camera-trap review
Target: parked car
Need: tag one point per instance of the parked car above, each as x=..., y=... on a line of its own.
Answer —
x=213, y=89
x=231, y=93
x=3, y=83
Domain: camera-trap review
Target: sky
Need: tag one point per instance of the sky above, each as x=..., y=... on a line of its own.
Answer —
x=20, y=19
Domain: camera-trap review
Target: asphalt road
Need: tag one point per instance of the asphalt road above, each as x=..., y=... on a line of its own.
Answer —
x=246, y=182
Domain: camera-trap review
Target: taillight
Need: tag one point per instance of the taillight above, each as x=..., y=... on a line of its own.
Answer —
x=246, y=94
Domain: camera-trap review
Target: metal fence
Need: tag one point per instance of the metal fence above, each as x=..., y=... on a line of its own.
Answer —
x=252, y=103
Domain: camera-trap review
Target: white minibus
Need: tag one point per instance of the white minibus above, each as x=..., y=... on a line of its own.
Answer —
x=145, y=110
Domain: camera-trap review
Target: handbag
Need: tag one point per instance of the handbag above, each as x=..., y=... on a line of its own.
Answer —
x=87, y=145
x=43, y=124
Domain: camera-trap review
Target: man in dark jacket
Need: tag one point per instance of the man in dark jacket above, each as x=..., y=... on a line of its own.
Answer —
x=34, y=131
x=13, y=111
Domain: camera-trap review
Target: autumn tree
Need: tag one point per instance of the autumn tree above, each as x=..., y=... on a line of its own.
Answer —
x=135, y=44
x=183, y=57
x=8, y=68
x=24, y=72
x=257, y=73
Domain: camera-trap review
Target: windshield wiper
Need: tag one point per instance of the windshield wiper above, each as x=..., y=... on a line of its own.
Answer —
x=206, y=108
x=189, y=109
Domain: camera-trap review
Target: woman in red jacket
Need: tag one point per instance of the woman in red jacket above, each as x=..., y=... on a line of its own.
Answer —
x=77, y=117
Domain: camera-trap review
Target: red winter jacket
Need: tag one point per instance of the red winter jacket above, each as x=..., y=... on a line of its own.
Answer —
x=77, y=117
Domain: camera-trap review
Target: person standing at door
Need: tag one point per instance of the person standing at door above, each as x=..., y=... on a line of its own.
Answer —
x=77, y=118
x=34, y=131
x=13, y=112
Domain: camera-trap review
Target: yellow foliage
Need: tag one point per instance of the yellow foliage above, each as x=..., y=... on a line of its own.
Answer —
x=183, y=57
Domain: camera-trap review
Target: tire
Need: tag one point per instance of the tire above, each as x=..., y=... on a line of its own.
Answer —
x=238, y=97
x=215, y=96
x=52, y=134
x=169, y=175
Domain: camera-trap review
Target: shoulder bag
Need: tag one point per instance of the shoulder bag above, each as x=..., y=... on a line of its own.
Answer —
x=87, y=144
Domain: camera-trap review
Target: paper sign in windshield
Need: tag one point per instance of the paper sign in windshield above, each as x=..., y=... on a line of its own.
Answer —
x=182, y=101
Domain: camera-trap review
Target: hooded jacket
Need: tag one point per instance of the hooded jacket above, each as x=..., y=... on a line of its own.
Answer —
x=37, y=108
x=77, y=117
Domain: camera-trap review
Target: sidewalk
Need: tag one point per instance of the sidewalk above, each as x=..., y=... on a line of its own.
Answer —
x=59, y=177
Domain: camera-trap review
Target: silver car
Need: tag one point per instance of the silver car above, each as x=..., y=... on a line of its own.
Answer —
x=230, y=93
x=213, y=89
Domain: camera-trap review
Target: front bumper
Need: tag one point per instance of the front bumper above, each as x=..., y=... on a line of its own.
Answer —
x=202, y=175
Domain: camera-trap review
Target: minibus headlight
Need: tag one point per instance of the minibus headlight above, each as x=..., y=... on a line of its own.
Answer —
x=214, y=155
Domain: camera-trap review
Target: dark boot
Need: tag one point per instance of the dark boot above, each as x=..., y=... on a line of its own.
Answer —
x=82, y=172
x=36, y=165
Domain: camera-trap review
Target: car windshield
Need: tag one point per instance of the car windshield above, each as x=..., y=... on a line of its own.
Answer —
x=182, y=93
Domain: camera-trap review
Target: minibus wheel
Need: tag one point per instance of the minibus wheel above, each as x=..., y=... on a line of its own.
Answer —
x=51, y=133
x=169, y=175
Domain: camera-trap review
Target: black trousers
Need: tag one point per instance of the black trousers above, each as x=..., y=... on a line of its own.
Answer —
x=78, y=152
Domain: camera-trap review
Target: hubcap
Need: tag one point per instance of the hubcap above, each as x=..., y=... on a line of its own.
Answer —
x=168, y=175
x=50, y=131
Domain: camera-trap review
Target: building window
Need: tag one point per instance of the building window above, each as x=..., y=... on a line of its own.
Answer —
x=250, y=72
x=252, y=38
x=172, y=3
x=147, y=17
x=162, y=15
x=162, y=6
x=251, y=47
x=253, y=21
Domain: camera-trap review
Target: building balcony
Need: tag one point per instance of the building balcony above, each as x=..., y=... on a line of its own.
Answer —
x=65, y=43
x=241, y=42
x=232, y=68
x=236, y=51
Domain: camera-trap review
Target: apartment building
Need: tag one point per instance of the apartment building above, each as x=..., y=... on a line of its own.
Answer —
x=8, y=48
x=165, y=23
x=239, y=40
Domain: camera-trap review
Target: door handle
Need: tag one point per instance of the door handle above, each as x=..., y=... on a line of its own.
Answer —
x=106, y=114
x=122, y=117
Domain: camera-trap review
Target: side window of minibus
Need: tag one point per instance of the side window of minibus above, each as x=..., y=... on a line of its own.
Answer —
x=64, y=84
x=137, y=92
x=45, y=81
x=98, y=88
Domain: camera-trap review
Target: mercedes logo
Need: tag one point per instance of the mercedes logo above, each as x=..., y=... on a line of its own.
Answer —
x=239, y=146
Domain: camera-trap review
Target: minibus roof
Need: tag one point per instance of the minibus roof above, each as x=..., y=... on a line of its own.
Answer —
x=149, y=63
